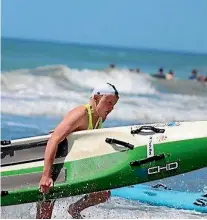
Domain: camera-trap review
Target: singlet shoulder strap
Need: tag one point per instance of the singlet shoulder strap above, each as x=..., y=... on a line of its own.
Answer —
x=100, y=123
x=90, y=120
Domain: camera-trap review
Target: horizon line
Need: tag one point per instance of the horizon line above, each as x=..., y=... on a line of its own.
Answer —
x=107, y=45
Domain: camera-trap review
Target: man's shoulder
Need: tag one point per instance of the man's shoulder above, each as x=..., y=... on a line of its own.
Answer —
x=78, y=116
x=79, y=111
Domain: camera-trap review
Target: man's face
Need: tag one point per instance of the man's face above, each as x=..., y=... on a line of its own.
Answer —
x=106, y=105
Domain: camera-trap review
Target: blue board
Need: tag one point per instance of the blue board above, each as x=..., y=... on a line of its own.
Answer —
x=162, y=196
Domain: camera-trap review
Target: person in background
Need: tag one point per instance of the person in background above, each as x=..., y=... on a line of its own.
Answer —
x=202, y=78
x=137, y=70
x=110, y=68
x=170, y=75
x=194, y=75
x=160, y=72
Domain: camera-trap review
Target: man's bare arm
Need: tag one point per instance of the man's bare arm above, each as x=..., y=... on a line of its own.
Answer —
x=69, y=124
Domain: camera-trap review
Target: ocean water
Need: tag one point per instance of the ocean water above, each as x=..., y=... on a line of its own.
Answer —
x=42, y=81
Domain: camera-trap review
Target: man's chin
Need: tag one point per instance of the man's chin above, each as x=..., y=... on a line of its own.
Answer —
x=104, y=117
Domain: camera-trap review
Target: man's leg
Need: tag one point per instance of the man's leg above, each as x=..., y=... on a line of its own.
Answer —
x=87, y=201
x=44, y=209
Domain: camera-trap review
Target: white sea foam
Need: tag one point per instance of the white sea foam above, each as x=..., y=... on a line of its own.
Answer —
x=53, y=90
x=114, y=208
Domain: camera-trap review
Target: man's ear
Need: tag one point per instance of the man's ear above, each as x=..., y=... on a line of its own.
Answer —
x=97, y=98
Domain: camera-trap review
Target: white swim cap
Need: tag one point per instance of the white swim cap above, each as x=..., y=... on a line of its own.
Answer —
x=105, y=89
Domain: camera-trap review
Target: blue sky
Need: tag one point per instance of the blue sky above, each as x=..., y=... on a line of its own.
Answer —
x=161, y=24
